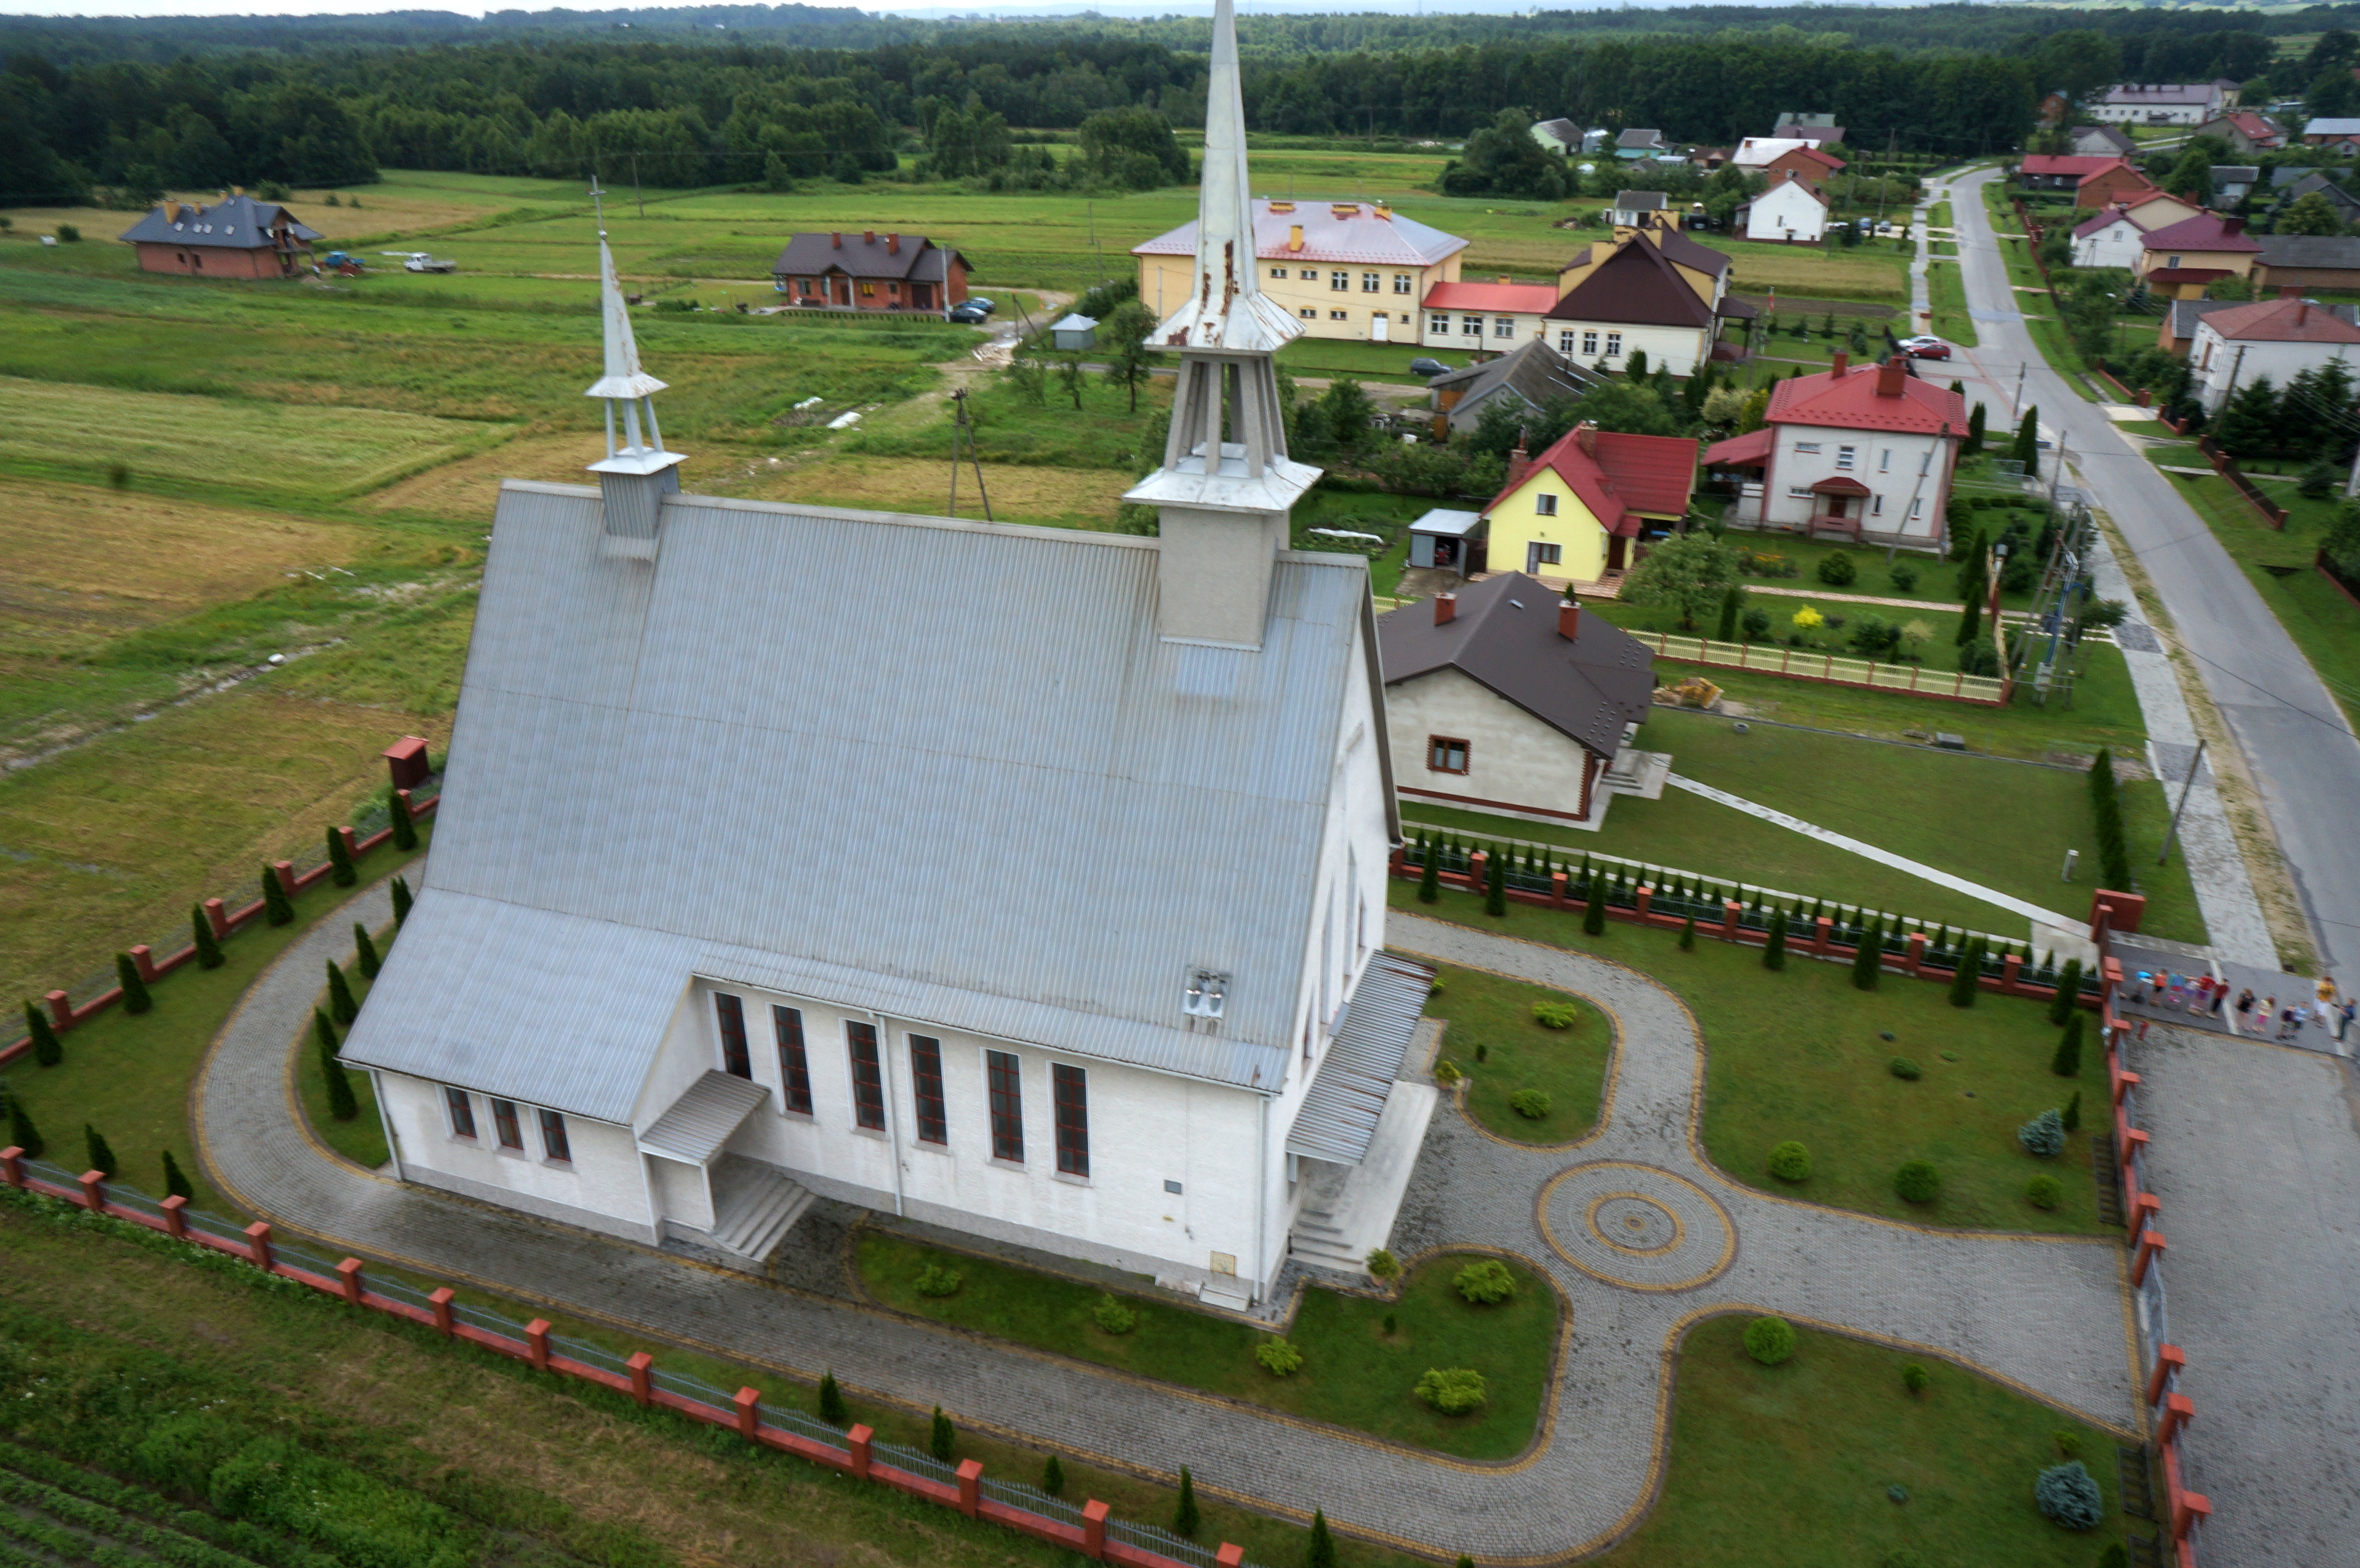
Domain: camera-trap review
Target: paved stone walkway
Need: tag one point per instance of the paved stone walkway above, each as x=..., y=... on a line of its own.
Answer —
x=2047, y=1314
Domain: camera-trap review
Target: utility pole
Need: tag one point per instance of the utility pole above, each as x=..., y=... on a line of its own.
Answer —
x=2058, y=476
x=2186, y=786
x=2234, y=366
x=964, y=433
x=2016, y=402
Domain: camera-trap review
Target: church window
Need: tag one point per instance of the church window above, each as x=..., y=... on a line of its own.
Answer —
x=868, y=1078
x=1007, y=1105
x=553, y=1144
x=1589, y=344
x=730, y=1012
x=794, y=1066
x=504, y=1117
x=1072, y=1089
x=1613, y=344
x=463, y=1113
x=927, y=1088
x=1446, y=754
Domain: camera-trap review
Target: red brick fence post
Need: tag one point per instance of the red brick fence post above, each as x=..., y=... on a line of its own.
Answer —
x=536, y=1344
x=641, y=1368
x=1094, y=1523
x=858, y=1442
x=258, y=1242
x=444, y=1318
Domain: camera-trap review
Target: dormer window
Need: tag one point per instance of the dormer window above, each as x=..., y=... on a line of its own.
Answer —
x=1205, y=995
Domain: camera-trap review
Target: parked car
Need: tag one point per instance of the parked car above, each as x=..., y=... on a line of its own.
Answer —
x=1427, y=367
x=969, y=313
x=980, y=303
x=1925, y=348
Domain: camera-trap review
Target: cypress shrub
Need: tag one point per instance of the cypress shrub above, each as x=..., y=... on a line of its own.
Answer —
x=341, y=1006
x=277, y=909
x=21, y=1130
x=2107, y=809
x=1185, y=1517
x=2071, y=1117
x=405, y=831
x=367, y=950
x=942, y=1438
x=1868, y=961
x=1593, y=913
x=135, y=998
x=1053, y=1477
x=101, y=1158
x=2069, y=993
x=1733, y=600
x=176, y=1180
x=1495, y=885
x=1321, y=1553
x=341, y=1104
x=1687, y=935
x=1773, y=952
x=402, y=901
x=2066, y=1062
x=343, y=872
x=46, y=1052
x=324, y=1032
x=209, y=953
x=832, y=1407
x=1964, y=984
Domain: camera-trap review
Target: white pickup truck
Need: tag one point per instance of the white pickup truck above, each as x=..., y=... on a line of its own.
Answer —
x=418, y=261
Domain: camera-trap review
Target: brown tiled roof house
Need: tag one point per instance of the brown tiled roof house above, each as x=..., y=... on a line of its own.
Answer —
x=870, y=271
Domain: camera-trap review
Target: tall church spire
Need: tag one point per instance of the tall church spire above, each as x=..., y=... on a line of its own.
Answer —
x=1226, y=484
x=638, y=472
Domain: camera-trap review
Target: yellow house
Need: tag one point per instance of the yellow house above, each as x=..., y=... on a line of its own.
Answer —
x=2181, y=260
x=1357, y=271
x=1568, y=517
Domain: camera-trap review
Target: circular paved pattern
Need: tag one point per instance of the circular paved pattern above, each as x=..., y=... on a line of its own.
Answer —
x=1636, y=1225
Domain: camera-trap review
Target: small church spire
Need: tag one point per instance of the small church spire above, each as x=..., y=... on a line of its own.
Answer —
x=638, y=472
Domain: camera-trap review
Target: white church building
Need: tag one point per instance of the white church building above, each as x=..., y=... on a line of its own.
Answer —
x=1024, y=881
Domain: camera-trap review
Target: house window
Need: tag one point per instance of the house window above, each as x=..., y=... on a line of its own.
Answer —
x=1370, y=282
x=1537, y=555
x=1876, y=506
x=1279, y=273
x=794, y=1067
x=1589, y=345
x=1613, y=344
x=1565, y=342
x=868, y=290
x=1926, y=460
x=895, y=289
x=1437, y=326
x=1844, y=457
x=463, y=1113
x=1401, y=282
x=2172, y=262
x=927, y=1089
x=1884, y=460
x=1811, y=447
x=868, y=1077
x=1310, y=275
x=1470, y=326
x=553, y=1145
x=1340, y=315
x=1917, y=508
x=1798, y=491
x=1544, y=505
x=1339, y=281
x=1503, y=326
x=1069, y=1087
x=1007, y=1105
x=504, y=1118
x=1446, y=754
x=1308, y=314
x=731, y=1012
x=803, y=284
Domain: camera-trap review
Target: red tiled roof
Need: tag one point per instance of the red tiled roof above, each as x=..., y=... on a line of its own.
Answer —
x=2283, y=321
x=2055, y=163
x=1621, y=477
x=1814, y=154
x=2206, y=233
x=1839, y=485
x=1525, y=299
x=1849, y=402
x=2114, y=166
x=1740, y=452
x=2092, y=225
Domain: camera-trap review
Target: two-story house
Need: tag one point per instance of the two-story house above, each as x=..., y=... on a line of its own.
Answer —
x=2179, y=261
x=2279, y=338
x=1656, y=290
x=1353, y=270
x=1568, y=517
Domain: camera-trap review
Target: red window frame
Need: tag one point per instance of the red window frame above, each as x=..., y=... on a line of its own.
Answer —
x=463, y=1112
x=504, y=1118
x=867, y=1076
x=1070, y=1092
x=1005, y=1077
x=554, y=1145
x=730, y=1011
x=1438, y=750
x=927, y=1089
x=794, y=1062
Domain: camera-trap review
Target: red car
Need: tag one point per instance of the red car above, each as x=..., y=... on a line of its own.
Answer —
x=1926, y=348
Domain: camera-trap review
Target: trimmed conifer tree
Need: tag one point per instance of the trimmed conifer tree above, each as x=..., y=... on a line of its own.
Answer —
x=1868, y=959
x=2070, y=1117
x=942, y=1438
x=1495, y=883
x=366, y=951
x=277, y=909
x=1687, y=935
x=21, y=1130
x=1429, y=874
x=1969, y=977
x=341, y=1006
x=341, y=1103
x=101, y=1158
x=342, y=871
x=209, y=953
x=2069, y=993
x=1733, y=600
x=1186, y=1516
x=405, y=829
x=1773, y=952
x=402, y=901
x=1974, y=445
x=1593, y=911
x=46, y=1052
x=176, y=1180
x=2066, y=1062
x=324, y=1032
x=1053, y=1477
x=832, y=1408
x=135, y=998
x=1322, y=1550
x=2026, y=450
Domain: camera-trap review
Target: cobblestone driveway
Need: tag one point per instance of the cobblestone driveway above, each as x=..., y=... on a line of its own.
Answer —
x=2046, y=1314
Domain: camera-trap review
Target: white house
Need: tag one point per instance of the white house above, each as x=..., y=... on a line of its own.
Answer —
x=2277, y=338
x=1758, y=153
x=1791, y=210
x=1475, y=317
x=1054, y=914
x=1559, y=137
x=1654, y=290
x=2111, y=238
x=1865, y=452
x=2166, y=103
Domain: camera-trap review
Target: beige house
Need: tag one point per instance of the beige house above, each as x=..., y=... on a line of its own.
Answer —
x=1344, y=270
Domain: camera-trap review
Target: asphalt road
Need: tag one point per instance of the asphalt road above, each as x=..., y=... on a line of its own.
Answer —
x=2296, y=743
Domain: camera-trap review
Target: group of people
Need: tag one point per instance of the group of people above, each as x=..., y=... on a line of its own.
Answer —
x=2208, y=995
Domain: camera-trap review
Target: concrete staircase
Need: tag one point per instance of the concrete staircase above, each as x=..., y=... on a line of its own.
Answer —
x=754, y=1207
x=1318, y=1242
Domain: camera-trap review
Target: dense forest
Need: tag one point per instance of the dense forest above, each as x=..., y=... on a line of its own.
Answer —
x=125, y=107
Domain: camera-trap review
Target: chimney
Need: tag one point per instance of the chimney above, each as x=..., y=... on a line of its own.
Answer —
x=1568, y=618
x=2288, y=291
x=2303, y=312
x=869, y=236
x=172, y=211
x=2233, y=226
x=1585, y=433
x=1446, y=608
x=1384, y=212
x=1295, y=236
x=836, y=241
x=1520, y=463
x=1837, y=364
x=1890, y=375
x=893, y=244
x=1506, y=279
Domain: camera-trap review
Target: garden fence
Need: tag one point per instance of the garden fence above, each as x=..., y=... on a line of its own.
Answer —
x=1830, y=669
x=2226, y=467
x=1086, y=1528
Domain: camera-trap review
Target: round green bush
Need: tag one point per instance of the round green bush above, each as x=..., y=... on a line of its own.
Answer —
x=1914, y=1377
x=2043, y=1136
x=1530, y=1103
x=1898, y=1492
x=1918, y=1182
x=1383, y=1265
x=1902, y=1067
x=1486, y=1283
x=2068, y=1494
x=1790, y=1162
x=1770, y=1340
x=2044, y=1192
x=1453, y=1390
x=937, y=1281
x=1904, y=575
x=1556, y=1014
x=1279, y=1357
x=1836, y=570
x=1113, y=1317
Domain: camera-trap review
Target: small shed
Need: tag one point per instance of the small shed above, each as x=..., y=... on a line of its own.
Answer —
x=1447, y=540
x=1075, y=331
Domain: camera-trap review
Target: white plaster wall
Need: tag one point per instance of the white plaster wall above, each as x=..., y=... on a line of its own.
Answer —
x=1680, y=347
x=1786, y=211
x=1512, y=759
x=2116, y=245
x=599, y=1187
x=2212, y=360
x=1523, y=327
x=680, y=1191
x=1888, y=463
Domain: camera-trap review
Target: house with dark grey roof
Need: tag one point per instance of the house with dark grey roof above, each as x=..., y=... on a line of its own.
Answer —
x=740, y=893
x=1560, y=137
x=1507, y=698
x=2101, y=141
x=1641, y=143
x=2308, y=262
x=1527, y=378
x=2302, y=182
x=237, y=236
x=871, y=272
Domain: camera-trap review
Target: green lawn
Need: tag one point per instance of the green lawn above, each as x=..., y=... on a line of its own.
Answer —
x=1788, y=1467
x=1799, y=1053
x=130, y=1076
x=1946, y=293
x=1493, y=1036
x=1355, y=1374
x=1308, y=357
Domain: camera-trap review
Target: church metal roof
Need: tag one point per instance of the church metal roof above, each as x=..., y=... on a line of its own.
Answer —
x=1340, y=1111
